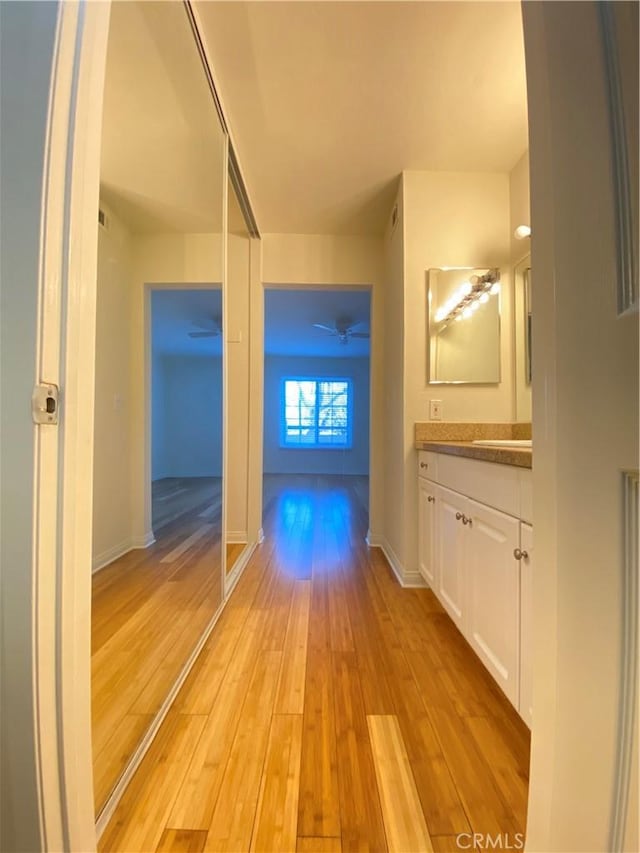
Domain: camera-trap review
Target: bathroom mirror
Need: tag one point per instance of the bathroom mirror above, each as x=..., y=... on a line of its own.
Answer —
x=157, y=503
x=522, y=314
x=463, y=319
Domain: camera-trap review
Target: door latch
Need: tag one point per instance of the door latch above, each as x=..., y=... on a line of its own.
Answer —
x=44, y=404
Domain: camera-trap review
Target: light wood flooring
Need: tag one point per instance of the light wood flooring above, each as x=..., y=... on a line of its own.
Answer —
x=149, y=610
x=329, y=710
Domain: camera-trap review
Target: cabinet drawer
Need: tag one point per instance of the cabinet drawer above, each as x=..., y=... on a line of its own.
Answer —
x=489, y=483
x=427, y=464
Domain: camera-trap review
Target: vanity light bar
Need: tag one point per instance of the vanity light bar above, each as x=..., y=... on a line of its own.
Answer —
x=468, y=297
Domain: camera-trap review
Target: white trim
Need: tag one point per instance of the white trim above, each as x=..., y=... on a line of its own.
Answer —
x=110, y=806
x=406, y=579
x=260, y=536
x=626, y=229
x=62, y=500
x=239, y=566
x=134, y=543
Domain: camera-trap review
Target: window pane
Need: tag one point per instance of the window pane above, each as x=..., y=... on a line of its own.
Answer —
x=316, y=412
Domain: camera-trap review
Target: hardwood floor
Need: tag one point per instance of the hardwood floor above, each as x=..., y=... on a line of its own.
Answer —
x=329, y=710
x=149, y=610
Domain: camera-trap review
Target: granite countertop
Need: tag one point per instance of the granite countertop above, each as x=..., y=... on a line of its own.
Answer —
x=518, y=456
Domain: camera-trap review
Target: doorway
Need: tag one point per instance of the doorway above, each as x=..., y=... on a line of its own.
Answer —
x=316, y=400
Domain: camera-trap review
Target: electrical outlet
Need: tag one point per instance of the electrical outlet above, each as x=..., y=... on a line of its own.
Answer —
x=435, y=410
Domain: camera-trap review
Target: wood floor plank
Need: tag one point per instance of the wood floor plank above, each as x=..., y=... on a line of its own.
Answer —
x=234, y=814
x=451, y=843
x=197, y=797
x=511, y=781
x=141, y=816
x=319, y=802
x=485, y=807
x=290, y=699
x=459, y=754
x=319, y=844
x=180, y=549
x=360, y=810
x=182, y=841
x=277, y=813
x=118, y=751
x=404, y=821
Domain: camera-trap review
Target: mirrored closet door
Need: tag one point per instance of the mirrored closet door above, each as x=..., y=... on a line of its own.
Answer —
x=157, y=527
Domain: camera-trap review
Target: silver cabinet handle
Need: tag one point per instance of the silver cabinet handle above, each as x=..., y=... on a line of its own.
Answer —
x=520, y=555
x=458, y=516
x=424, y=464
x=431, y=499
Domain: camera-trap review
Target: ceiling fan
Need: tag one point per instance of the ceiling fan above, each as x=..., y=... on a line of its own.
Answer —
x=344, y=330
x=212, y=328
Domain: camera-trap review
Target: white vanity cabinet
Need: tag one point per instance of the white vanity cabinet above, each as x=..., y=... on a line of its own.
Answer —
x=451, y=553
x=493, y=592
x=426, y=530
x=476, y=554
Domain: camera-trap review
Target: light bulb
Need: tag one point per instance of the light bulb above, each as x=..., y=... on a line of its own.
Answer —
x=474, y=306
x=466, y=288
x=495, y=287
x=522, y=232
x=484, y=297
x=458, y=318
x=467, y=313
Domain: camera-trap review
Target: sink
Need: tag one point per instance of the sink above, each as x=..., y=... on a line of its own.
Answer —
x=504, y=442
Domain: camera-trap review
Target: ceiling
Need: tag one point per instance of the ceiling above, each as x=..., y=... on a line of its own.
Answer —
x=328, y=102
x=162, y=160
x=290, y=315
x=175, y=313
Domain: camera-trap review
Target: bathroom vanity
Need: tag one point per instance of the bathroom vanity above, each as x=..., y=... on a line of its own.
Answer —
x=476, y=552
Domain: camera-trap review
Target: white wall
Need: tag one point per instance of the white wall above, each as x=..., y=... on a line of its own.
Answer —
x=189, y=415
x=112, y=438
x=391, y=531
x=447, y=219
x=325, y=260
x=279, y=460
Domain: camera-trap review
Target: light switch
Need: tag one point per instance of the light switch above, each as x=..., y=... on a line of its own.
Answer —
x=435, y=410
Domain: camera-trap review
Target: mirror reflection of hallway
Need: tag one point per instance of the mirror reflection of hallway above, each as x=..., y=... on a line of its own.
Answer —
x=156, y=584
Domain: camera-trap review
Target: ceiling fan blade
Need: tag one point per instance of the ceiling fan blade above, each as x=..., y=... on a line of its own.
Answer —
x=326, y=328
x=359, y=335
x=203, y=334
x=209, y=324
x=354, y=326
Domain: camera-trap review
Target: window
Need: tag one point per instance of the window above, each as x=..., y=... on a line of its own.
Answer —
x=316, y=413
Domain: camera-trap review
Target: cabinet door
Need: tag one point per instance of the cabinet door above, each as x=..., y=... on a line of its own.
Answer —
x=426, y=531
x=493, y=623
x=450, y=550
x=526, y=624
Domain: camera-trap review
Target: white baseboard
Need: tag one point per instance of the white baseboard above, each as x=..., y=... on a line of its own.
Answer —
x=260, y=536
x=406, y=579
x=143, y=541
x=101, y=561
x=236, y=537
